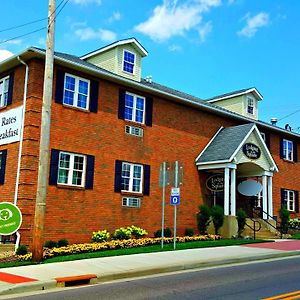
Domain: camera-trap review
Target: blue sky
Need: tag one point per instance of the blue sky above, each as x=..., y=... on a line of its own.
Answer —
x=202, y=47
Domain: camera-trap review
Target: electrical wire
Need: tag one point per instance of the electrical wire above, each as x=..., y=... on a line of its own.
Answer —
x=22, y=25
x=296, y=111
x=23, y=35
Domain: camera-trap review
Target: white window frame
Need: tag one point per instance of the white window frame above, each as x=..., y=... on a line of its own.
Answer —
x=289, y=200
x=285, y=144
x=2, y=80
x=134, y=109
x=130, y=189
x=134, y=62
x=250, y=103
x=76, y=91
x=71, y=169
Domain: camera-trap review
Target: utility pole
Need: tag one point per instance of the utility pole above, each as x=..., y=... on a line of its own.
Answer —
x=42, y=185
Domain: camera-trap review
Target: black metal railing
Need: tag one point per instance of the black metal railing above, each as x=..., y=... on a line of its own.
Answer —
x=254, y=228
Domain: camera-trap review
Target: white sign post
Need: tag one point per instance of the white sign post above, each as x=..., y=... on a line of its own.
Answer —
x=10, y=126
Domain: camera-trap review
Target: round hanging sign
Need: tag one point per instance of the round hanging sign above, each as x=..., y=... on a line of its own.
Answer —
x=215, y=183
x=10, y=218
x=251, y=151
x=249, y=188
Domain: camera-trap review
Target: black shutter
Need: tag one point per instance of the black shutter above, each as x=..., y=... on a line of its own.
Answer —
x=283, y=201
x=3, y=165
x=267, y=140
x=281, y=148
x=10, y=88
x=89, y=178
x=146, y=180
x=94, y=88
x=295, y=150
x=60, y=81
x=296, y=201
x=53, y=167
x=149, y=109
x=118, y=175
x=121, y=111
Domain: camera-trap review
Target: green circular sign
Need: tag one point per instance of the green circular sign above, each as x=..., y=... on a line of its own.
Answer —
x=10, y=218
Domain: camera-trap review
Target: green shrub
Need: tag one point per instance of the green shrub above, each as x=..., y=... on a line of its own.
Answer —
x=189, y=232
x=137, y=232
x=203, y=218
x=167, y=233
x=122, y=234
x=22, y=250
x=284, y=215
x=62, y=243
x=241, y=220
x=217, y=214
x=294, y=223
x=100, y=236
x=50, y=244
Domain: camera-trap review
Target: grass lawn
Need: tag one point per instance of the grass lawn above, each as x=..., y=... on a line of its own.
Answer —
x=146, y=249
x=296, y=236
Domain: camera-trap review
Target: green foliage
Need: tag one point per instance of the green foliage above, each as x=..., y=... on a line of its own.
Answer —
x=284, y=215
x=189, y=232
x=203, y=218
x=62, y=243
x=167, y=233
x=241, y=220
x=22, y=250
x=50, y=244
x=217, y=214
x=294, y=223
x=100, y=236
x=137, y=232
x=122, y=234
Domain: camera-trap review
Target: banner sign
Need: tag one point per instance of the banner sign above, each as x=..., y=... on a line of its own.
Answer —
x=10, y=126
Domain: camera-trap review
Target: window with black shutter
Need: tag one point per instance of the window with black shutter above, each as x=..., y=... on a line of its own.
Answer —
x=288, y=150
x=3, y=155
x=6, y=90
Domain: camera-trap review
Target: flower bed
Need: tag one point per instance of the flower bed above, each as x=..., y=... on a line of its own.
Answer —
x=115, y=244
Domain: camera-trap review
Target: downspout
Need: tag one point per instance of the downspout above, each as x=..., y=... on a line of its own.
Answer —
x=21, y=144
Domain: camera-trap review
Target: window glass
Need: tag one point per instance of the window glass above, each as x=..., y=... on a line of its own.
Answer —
x=288, y=150
x=250, y=106
x=134, y=108
x=289, y=200
x=4, y=86
x=128, y=62
x=131, y=177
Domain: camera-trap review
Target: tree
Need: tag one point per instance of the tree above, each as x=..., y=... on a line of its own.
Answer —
x=217, y=214
x=284, y=219
x=203, y=218
x=241, y=220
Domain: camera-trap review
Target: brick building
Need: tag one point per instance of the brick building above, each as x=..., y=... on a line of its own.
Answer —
x=111, y=130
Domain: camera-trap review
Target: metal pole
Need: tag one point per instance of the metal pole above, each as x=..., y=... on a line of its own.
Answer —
x=40, y=206
x=163, y=204
x=175, y=206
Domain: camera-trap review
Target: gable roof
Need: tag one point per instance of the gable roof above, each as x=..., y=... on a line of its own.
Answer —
x=132, y=41
x=236, y=94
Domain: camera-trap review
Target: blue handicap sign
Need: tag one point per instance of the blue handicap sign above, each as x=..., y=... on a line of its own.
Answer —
x=175, y=200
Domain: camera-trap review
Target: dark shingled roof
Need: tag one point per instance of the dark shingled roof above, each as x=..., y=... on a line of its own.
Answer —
x=225, y=143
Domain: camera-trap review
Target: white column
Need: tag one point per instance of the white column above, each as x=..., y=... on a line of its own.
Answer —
x=226, y=191
x=232, y=192
x=264, y=196
x=270, y=197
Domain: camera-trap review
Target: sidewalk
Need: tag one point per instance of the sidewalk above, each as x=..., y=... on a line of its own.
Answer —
x=47, y=276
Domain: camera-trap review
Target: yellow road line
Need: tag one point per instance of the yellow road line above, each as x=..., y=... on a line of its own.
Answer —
x=287, y=296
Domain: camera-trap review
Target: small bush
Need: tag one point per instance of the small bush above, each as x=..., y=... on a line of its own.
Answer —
x=100, y=236
x=284, y=219
x=50, y=244
x=122, y=234
x=137, y=232
x=203, y=218
x=22, y=250
x=217, y=214
x=189, y=232
x=241, y=220
x=62, y=243
x=167, y=233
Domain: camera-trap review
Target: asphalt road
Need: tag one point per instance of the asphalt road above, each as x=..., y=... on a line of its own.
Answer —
x=247, y=281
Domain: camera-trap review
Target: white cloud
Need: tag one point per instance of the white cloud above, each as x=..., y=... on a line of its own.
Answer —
x=116, y=16
x=89, y=33
x=4, y=54
x=253, y=24
x=14, y=42
x=204, y=31
x=86, y=2
x=230, y=2
x=174, y=48
x=173, y=19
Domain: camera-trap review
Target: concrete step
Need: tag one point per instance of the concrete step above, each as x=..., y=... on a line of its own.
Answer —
x=7, y=247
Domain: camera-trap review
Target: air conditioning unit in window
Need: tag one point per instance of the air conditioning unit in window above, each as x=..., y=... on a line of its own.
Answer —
x=131, y=202
x=132, y=130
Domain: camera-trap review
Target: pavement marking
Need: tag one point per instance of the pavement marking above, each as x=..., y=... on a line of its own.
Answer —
x=287, y=296
x=11, y=278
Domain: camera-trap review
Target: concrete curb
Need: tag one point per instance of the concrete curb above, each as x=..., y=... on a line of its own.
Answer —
x=51, y=284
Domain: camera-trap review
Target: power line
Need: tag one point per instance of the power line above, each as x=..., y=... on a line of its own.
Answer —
x=289, y=115
x=22, y=25
x=66, y=2
x=22, y=35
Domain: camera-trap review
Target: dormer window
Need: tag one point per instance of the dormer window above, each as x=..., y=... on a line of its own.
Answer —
x=250, y=106
x=128, y=62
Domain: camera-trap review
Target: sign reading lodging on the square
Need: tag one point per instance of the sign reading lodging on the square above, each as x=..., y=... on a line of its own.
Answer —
x=175, y=196
x=10, y=125
x=10, y=218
